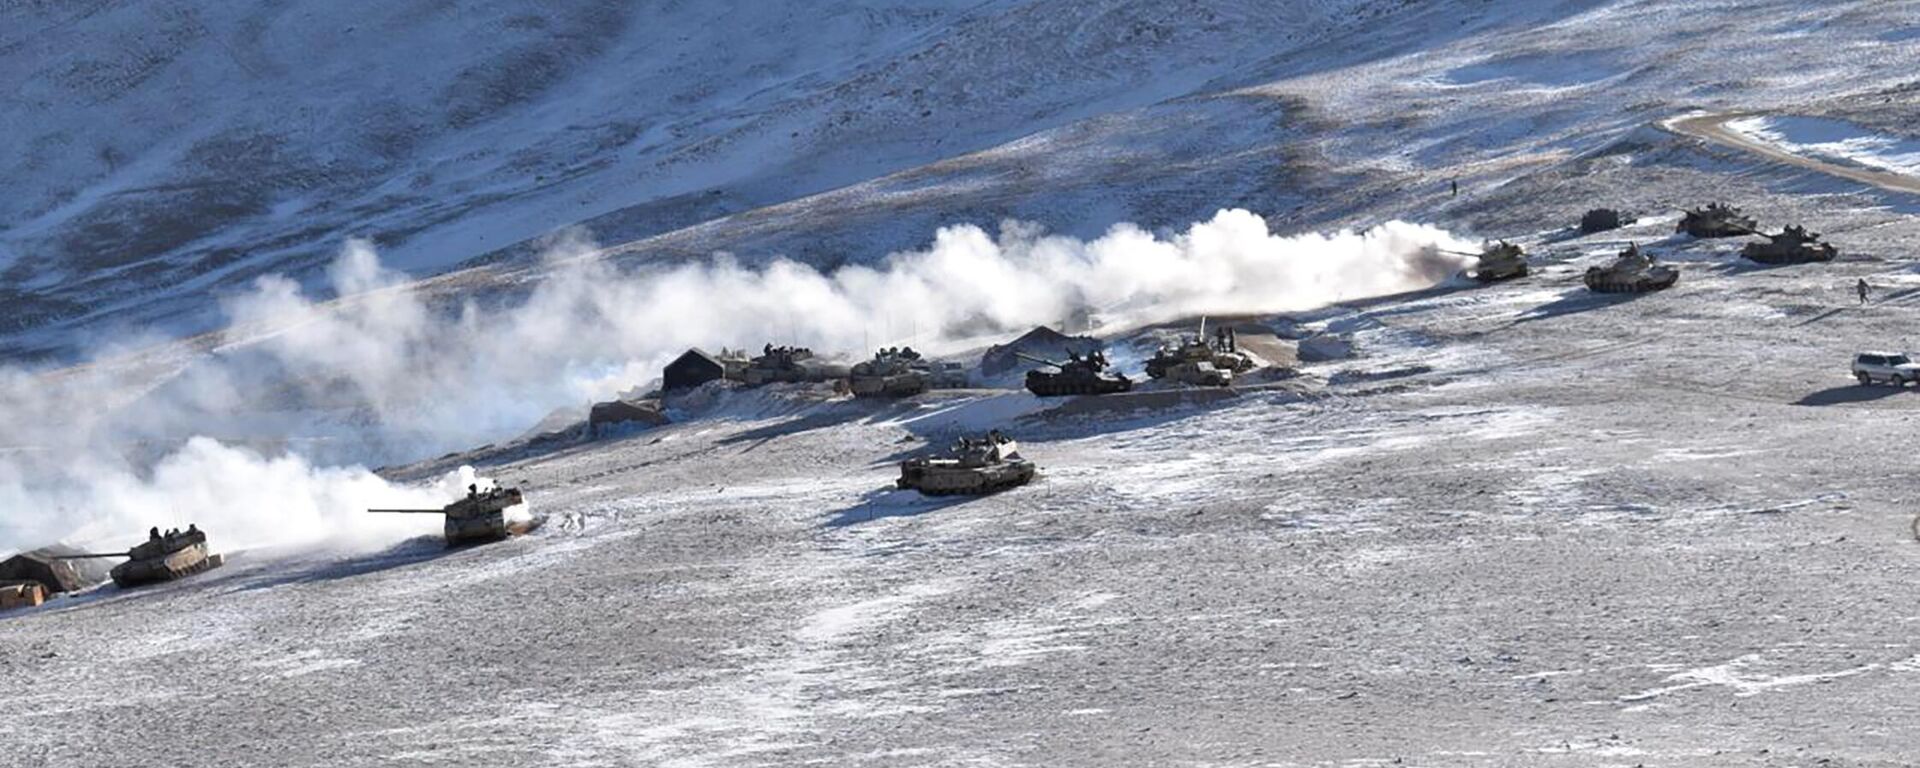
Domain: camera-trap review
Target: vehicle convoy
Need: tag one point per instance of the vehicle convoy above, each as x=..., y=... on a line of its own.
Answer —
x=1890, y=367
x=162, y=557
x=1794, y=245
x=479, y=518
x=1715, y=220
x=1199, y=360
x=1633, y=271
x=1499, y=260
x=1077, y=375
x=976, y=466
x=891, y=373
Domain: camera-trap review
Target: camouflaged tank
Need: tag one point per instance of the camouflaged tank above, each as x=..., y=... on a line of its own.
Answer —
x=162, y=557
x=1795, y=245
x=976, y=466
x=1199, y=360
x=1632, y=272
x=1078, y=375
x=479, y=518
x=1500, y=260
x=1715, y=220
x=891, y=373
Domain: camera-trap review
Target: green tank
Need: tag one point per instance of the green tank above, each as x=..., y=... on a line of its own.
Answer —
x=162, y=557
x=891, y=373
x=1603, y=219
x=1715, y=220
x=1200, y=361
x=1077, y=375
x=1795, y=245
x=479, y=518
x=1633, y=271
x=778, y=364
x=975, y=466
x=1498, y=261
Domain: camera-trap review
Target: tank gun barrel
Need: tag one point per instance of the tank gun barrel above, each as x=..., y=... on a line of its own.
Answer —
x=1035, y=359
x=408, y=511
x=90, y=556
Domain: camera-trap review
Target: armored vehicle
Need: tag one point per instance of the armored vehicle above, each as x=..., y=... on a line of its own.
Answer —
x=479, y=518
x=778, y=364
x=976, y=466
x=1715, y=220
x=1078, y=375
x=1200, y=360
x=1603, y=219
x=1632, y=272
x=1498, y=261
x=891, y=373
x=162, y=557
x=1795, y=245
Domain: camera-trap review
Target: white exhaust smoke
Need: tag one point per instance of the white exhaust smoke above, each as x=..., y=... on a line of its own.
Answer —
x=379, y=375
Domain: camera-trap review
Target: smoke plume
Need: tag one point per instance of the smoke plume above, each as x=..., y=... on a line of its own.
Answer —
x=266, y=436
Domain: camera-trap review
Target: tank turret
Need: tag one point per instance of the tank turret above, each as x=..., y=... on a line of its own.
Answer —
x=1633, y=271
x=1716, y=220
x=1077, y=375
x=1794, y=245
x=479, y=518
x=162, y=557
x=973, y=466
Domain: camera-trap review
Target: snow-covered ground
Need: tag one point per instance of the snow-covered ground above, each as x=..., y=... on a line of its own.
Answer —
x=1835, y=141
x=1590, y=531
x=1522, y=525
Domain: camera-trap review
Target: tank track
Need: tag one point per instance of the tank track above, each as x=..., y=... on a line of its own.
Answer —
x=982, y=487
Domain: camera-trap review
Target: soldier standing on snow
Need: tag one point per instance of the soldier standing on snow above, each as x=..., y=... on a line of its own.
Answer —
x=1861, y=288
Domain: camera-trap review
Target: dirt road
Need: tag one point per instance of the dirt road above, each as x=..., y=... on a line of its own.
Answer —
x=1713, y=128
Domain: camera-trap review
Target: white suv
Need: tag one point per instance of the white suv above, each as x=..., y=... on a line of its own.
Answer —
x=1891, y=367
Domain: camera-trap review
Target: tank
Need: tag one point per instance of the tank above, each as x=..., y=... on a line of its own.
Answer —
x=975, y=466
x=1795, y=245
x=891, y=373
x=1632, y=272
x=1200, y=361
x=479, y=518
x=162, y=557
x=1078, y=375
x=1716, y=220
x=1499, y=260
x=777, y=364
x=1603, y=219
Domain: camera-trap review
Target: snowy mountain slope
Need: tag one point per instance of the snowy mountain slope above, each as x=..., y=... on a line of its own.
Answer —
x=1343, y=124
x=174, y=147
x=1507, y=99
x=1523, y=524
x=227, y=144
